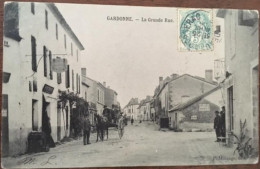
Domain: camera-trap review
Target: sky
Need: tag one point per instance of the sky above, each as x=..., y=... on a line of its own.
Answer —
x=130, y=56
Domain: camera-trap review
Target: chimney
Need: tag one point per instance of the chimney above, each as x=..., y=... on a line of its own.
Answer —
x=148, y=97
x=84, y=72
x=108, y=87
x=160, y=81
x=174, y=76
x=104, y=84
x=209, y=75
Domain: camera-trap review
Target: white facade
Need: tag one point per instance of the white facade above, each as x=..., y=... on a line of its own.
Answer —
x=241, y=66
x=25, y=105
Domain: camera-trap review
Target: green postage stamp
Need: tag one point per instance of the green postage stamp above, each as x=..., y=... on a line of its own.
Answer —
x=195, y=30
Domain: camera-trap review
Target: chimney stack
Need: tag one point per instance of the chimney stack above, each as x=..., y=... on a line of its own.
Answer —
x=84, y=72
x=209, y=75
x=104, y=84
x=174, y=76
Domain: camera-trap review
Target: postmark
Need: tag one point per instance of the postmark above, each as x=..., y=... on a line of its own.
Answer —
x=195, y=30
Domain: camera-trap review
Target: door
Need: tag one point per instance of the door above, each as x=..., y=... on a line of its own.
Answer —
x=58, y=121
x=5, y=132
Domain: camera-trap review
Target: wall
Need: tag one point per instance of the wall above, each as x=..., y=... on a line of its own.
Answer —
x=186, y=86
x=239, y=57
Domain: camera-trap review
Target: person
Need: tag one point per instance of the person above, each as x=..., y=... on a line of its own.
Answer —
x=86, y=130
x=132, y=121
x=217, y=125
x=223, y=124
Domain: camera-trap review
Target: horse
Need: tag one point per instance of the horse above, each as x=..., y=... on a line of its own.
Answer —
x=101, y=126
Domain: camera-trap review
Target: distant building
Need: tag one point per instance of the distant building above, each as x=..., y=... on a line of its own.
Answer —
x=29, y=49
x=179, y=89
x=131, y=109
x=241, y=83
x=197, y=113
x=110, y=96
x=93, y=92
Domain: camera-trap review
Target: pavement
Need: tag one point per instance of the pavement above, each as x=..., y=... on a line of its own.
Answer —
x=141, y=145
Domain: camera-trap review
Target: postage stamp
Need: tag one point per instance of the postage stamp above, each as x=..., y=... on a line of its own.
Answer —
x=195, y=30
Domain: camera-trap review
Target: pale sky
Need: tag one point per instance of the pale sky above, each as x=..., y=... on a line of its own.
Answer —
x=130, y=56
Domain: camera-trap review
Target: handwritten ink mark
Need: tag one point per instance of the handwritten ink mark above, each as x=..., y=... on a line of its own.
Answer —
x=27, y=160
x=48, y=161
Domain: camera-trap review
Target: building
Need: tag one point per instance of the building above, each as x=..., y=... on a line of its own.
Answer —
x=27, y=66
x=178, y=89
x=241, y=86
x=197, y=113
x=110, y=96
x=131, y=109
x=93, y=92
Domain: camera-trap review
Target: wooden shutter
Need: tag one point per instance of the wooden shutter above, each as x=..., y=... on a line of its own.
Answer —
x=45, y=61
x=34, y=59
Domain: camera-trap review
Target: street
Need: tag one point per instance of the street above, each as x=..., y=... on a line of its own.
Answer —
x=142, y=145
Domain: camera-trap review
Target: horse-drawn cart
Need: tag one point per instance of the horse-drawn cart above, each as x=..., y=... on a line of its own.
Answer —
x=109, y=119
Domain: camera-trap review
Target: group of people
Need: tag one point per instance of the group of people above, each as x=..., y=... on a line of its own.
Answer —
x=220, y=126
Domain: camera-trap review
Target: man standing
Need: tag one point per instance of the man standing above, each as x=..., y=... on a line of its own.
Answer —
x=86, y=129
x=217, y=126
x=223, y=124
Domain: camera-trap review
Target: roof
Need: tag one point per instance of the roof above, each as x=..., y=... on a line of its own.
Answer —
x=195, y=77
x=192, y=101
x=133, y=101
x=65, y=25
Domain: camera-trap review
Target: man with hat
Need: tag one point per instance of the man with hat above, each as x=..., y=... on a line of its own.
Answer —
x=217, y=126
x=86, y=129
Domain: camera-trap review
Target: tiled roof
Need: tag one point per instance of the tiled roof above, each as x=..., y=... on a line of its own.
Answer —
x=191, y=101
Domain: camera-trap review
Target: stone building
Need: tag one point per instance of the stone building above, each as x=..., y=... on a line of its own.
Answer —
x=241, y=85
x=30, y=86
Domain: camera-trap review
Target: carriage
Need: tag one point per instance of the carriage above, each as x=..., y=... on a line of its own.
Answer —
x=114, y=119
x=111, y=118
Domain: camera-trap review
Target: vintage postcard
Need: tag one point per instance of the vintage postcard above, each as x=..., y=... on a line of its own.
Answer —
x=108, y=86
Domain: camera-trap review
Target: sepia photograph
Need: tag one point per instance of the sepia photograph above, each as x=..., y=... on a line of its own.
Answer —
x=88, y=85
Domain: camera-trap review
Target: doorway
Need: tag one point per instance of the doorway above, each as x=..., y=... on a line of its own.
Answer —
x=5, y=127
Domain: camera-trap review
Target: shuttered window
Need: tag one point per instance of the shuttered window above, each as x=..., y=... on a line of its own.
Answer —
x=45, y=60
x=34, y=56
x=59, y=80
x=50, y=61
x=72, y=80
x=68, y=77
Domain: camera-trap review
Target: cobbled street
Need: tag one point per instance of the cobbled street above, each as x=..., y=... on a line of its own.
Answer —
x=142, y=144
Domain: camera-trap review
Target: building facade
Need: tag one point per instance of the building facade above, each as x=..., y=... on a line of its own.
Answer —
x=27, y=61
x=131, y=109
x=241, y=86
x=179, y=89
x=110, y=97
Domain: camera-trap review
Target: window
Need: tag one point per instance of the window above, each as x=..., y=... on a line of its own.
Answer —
x=33, y=8
x=98, y=95
x=59, y=80
x=34, y=115
x=77, y=55
x=57, y=32
x=50, y=61
x=34, y=57
x=71, y=47
x=72, y=80
x=65, y=42
x=45, y=61
x=46, y=19
x=35, y=84
x=68, y=77
x=77, y=83
x=230, y=107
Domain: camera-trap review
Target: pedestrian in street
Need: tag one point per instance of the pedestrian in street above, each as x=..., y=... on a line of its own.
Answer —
x=217, y=125
x=86, y=130
x=132, y=121
x=223, y=124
